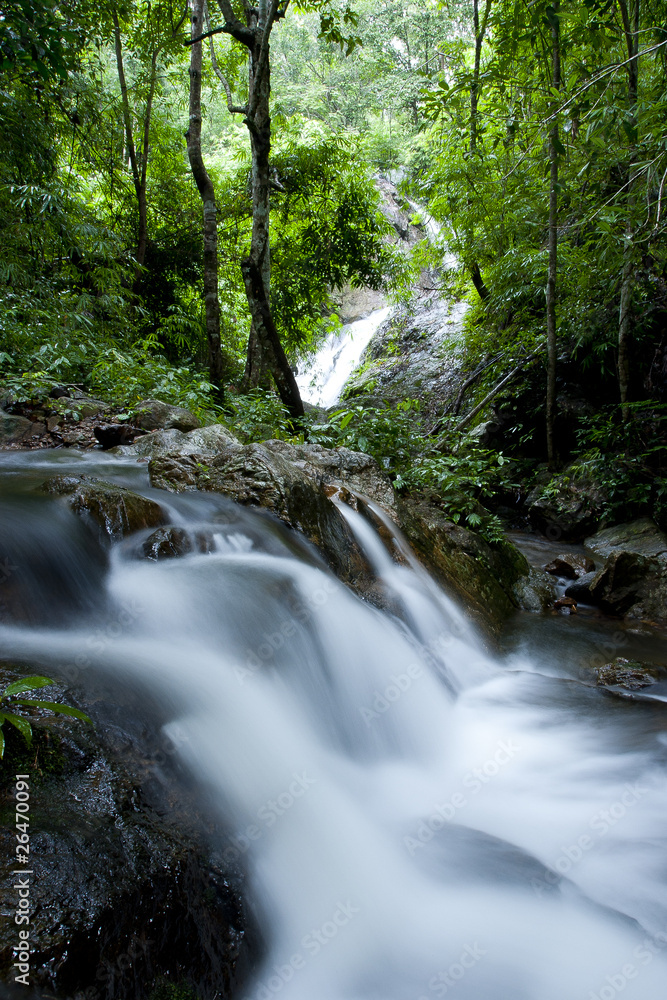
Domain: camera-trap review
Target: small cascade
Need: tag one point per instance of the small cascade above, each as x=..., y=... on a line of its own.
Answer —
x=418, y=820
x=322, y=382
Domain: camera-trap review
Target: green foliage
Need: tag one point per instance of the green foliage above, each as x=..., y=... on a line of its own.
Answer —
x=165, y=990
x=459, y=482
x=258, y=415
x=128, y=376
x=390, y=434
x=13, y=707
x=626, y=462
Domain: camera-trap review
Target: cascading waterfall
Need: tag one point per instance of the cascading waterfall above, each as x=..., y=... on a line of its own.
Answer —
x=322, y=381
x=417, y=819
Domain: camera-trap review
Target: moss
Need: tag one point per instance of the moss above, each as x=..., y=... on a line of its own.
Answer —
x=165, y=990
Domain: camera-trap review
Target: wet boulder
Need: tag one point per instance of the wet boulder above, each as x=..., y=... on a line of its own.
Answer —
x=580, y=589
x=482, y=576
x=629, y=674
x=571, y=566
x=567, y=506
x=173, y=541
x=256, y=476
x=633, y=580
x=152, y=414
x=332, y=467
x=202, y=441
x=113, y=510
x=14, y=429
x=124, y=889
x=110, y=435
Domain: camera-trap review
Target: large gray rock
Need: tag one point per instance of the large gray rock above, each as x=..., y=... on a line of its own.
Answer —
x=332, y=466
x=259, y=476
x=153, y=414
x=202, y=441
x=633, y=580
x=566, y=506
x=113, y=510
x=14, y=430
x=490, y=581
x=416, y=354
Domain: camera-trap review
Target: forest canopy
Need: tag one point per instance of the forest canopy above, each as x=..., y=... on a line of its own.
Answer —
x=534, y=133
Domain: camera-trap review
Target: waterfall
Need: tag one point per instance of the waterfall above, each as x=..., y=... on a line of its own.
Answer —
x=323, y=379
x=417, y=818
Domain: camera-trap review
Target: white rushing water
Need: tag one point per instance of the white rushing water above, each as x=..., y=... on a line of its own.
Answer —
x=417, y=820
x=321, y=383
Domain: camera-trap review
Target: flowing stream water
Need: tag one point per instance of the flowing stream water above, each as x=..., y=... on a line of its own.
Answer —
x=418, y=818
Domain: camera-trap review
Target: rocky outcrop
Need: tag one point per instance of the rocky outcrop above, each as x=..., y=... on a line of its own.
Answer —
x=490, y=581
x=113, y=510
x=116, y=839
x=566, y=506
x=152, y=414
x=206, y=441
x=629, y=674
x=633, y=580
x=414, y=355
x=263, y=476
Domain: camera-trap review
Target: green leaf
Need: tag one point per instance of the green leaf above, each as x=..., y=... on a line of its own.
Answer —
x=53, y=706
x=27, y=684
x=22, y=725
x=2, y=741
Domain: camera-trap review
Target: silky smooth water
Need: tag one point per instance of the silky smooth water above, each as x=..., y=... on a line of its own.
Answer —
x=418, y=819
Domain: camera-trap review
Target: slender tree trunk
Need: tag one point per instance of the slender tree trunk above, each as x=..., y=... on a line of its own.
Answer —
x=256, y=269
x=268, y=337
x=553, y=247
x=262, y=347
x=216, y=362
x=631, y=31
x=480, y=32
x=137, y=173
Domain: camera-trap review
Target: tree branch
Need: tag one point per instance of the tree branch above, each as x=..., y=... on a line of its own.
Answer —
x=234, y=109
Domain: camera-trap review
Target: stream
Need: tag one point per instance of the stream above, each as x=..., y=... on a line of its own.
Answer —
x=418, y=818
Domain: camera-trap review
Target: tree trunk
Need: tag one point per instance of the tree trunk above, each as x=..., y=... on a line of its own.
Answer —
x=631, y=32
x=256, y=269
x=138, y=176
x=553, y=247
x=480, y=32
x=216, y=363
x=258, y=266
x=268, y=337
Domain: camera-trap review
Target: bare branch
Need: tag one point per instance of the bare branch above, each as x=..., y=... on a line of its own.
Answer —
x=233, y=108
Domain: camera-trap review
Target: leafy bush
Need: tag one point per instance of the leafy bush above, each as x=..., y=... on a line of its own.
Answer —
x=392, y=435
x=459, y=482
x=259, y=415
x=628, y=461
x=128, y=376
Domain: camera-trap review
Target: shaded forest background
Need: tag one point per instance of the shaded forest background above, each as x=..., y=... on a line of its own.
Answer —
x=534, y=133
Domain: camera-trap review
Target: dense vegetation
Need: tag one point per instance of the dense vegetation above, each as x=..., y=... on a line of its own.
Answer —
x=534, y=133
